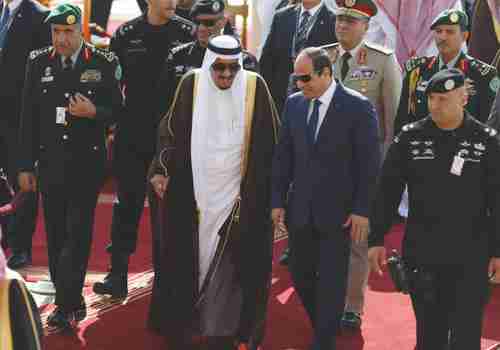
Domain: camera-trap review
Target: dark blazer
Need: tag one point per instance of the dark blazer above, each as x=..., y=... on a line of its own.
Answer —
x=26, y=33
x=276, y=62
x=334, y=178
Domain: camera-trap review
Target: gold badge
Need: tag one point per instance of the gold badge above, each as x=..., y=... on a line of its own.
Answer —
x=454, y=17
x=71, y=19
x=91, y=76
x=449, y=85
x=350, y=3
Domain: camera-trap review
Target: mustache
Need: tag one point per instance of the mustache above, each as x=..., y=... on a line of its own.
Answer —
x=441, y=43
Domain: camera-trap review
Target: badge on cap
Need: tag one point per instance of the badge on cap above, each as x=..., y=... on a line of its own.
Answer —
x=350, y=3
x=71, y=19
x=216, y=6
x=449, y=84
x=454, y=17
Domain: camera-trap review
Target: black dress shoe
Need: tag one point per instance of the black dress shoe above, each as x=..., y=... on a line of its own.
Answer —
x=19, y=260
x=81, y=312
x=61, y=320
x=113, y=284
x=285, y=257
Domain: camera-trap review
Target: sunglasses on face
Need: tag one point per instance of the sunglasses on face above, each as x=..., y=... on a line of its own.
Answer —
x=206, y=22
x=305, y=78
x=221, y=67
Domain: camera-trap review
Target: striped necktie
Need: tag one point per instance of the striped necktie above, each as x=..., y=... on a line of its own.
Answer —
x=4, y=25
x=301, y=36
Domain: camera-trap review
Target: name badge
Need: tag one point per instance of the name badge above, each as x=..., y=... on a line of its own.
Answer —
x=47, y=79
x=457, y=165
x=61, y=115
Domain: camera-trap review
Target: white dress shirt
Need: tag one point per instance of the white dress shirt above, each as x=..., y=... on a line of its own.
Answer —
x=325, y=99
x=312, y=11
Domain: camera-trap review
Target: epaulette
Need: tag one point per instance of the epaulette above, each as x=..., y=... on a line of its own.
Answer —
x=185, y=24
x=130, y=25
x=482, y=67
x=107, y=55
x=415, y=62
x=414, y=126
x=379, y=48
x=180, y=47
x=490, y=131
x=36, y=53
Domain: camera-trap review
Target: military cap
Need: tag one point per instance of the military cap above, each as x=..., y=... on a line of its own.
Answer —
x=452, y=16
x=207, y=7
x=361, y=9
x=66, y=14
x=445, y=81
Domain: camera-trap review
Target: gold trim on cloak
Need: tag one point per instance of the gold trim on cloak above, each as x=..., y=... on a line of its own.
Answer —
x=6, y=342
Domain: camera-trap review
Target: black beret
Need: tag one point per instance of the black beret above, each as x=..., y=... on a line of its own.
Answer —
x=445, y=81
x=66, y=14
x=207, y=7
x=452, y=16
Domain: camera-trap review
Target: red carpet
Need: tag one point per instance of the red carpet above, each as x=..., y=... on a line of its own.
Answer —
x=99, y=259
x=388, y=323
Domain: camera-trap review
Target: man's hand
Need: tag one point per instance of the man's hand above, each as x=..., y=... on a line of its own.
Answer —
x=377, y=258
x=160, y=184
x=494, y=270
x=80, y=106
x=27, y=181
x=359, y=227
x=278, y=218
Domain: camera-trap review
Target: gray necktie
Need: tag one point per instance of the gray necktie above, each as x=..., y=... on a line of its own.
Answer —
x=4, y=25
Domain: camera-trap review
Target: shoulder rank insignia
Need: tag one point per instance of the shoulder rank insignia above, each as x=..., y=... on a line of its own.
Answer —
x=408, y=127
x=379, y=48
x=35, y=53
x=490, y=132
x=413, y=63
x=179, y=48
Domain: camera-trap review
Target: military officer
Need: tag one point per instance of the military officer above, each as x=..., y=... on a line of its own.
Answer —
x=209, y=18
x=71, y=95
x=142, y=45
x=450, y=33
x=451, y=247
x=373, y=71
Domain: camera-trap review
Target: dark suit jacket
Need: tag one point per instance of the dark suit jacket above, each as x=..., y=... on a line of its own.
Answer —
x=26, y=33
x=336, y=177
x=494, y=119
x=276, y=62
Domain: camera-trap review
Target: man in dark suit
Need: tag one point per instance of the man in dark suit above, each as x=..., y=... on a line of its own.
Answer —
x=21, y=31
x=328, y=149
x=311, y=23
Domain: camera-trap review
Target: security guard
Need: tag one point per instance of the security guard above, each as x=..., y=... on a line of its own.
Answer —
x=71, y=94
x=209, y=18
x=142, y=45
x=451, y=247
x=373, y=71
x=450, y=33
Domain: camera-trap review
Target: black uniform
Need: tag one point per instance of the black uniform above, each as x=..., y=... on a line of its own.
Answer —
x=183, y=59
x=453, y=179
x=142, y=49
x=418, y=71
x=71, y=154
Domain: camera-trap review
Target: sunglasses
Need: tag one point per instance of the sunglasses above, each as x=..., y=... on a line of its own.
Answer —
x=206, y=22
x=305, y=78
x=221, y=67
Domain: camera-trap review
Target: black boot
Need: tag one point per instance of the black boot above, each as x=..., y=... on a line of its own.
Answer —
x=115, y=282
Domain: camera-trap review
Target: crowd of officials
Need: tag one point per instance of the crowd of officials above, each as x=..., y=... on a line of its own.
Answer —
x=358, y=129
